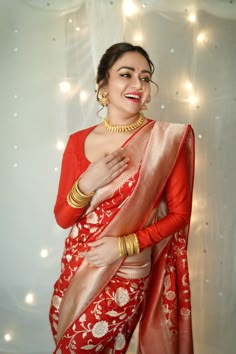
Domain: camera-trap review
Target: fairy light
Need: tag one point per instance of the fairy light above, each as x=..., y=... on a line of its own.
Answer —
x=65, y=86
x=7, y=337
x=83, y=96
x=29, y=298
x=192, y=17
x=192, y=100
x=44, y=253
x=129, y=8
x=138, y=37
x=60, y=145
x=201, y=38
x=188, y=86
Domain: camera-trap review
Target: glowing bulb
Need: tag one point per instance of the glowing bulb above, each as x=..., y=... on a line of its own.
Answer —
x=138, y=37
x=29, y=298
x=60, y=145
x=192, y=17
x=70, y=20
x=201, y=38
x=129, y=8
x=188, y=85
x=7, y=337
x=44, y=253
x=83, y=96
x=77, y=29
x=65, y=86
x=193, y=100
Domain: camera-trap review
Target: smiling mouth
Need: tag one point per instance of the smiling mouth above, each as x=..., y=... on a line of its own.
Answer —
x=133, y=97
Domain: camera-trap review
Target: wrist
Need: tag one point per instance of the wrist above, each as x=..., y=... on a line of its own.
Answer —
x=129, y=245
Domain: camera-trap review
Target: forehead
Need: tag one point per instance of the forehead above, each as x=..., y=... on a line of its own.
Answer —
x=131, y=59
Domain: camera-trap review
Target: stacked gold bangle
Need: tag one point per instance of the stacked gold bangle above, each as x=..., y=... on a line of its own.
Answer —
x=128, y=245
x=77, y=199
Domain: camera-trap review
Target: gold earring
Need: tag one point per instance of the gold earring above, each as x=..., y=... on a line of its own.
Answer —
x=103, y=98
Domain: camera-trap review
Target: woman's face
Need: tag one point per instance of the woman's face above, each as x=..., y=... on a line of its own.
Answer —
x=128, y=85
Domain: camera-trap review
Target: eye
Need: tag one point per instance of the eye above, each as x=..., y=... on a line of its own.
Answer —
x=125, y=75
x=145, y=79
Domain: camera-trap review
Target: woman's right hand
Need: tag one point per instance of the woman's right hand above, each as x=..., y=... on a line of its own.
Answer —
x=103, y=171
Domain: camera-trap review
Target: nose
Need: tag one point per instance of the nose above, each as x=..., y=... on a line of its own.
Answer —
x=137, y=84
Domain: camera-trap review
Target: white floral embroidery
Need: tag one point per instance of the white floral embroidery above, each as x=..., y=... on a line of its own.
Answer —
x=83, y=318
x=92, y=218
x=68, y=257
x=121, y=297
x=100, y=329
x=170, y=295
x=56, y=300
x=74, y=231
x=185, y=312
x=119, y=341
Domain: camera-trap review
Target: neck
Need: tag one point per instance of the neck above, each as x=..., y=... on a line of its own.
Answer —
x=120, y=118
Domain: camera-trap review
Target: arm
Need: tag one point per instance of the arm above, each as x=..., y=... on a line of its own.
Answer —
x=178, y=199
x=66, y=215
x=93, y=176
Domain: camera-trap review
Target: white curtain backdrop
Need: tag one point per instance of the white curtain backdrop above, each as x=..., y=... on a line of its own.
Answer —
x=46, y=43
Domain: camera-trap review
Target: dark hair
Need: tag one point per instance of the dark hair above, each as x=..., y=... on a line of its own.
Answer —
x=115, y=52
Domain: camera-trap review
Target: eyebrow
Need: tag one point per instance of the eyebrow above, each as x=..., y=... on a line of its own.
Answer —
x=132, y=69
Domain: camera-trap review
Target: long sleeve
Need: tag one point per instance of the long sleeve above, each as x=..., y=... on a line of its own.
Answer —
x=71, y=169
x=178, y=199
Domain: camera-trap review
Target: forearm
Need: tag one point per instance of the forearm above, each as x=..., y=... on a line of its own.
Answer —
x=163, y=228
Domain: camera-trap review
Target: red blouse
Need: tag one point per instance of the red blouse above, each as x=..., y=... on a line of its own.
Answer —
x=177, y=193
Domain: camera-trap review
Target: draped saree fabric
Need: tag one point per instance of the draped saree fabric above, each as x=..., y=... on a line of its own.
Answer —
x=166, y=321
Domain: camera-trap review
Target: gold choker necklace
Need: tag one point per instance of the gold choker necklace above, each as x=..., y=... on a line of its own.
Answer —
x=123, y=128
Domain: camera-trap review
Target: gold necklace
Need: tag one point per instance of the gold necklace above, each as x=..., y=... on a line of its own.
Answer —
x=123, y=128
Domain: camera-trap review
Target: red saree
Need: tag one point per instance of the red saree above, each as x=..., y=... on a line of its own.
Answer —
x=126, y=205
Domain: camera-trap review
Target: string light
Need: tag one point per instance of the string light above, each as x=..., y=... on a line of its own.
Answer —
x=192, y=100
x=138, y=37
x=188, y=85
x=77, y=29
x=65, y=86
x=129, y=8
x=44, y=253
x=60, y=145
x=192, y=17
x=29, y=298
x=201, y=38
x=83, y=96
x=7, y=337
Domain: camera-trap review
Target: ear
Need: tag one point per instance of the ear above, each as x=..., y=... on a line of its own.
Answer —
x=101, y=86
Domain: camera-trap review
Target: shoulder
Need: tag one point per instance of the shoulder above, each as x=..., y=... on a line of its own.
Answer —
x=76, y=139
x=81, y=133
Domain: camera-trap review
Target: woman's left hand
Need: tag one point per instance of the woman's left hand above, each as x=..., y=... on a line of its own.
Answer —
x=103, y=251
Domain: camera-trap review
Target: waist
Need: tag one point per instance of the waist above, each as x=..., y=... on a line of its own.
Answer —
x=135, y=267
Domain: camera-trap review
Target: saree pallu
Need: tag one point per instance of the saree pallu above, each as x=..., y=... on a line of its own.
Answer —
x=115, y=210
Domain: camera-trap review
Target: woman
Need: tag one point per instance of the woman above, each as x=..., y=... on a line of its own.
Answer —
x=126, y=191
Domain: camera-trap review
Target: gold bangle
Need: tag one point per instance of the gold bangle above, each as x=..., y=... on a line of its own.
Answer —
x=128, y=245
x=76, y=198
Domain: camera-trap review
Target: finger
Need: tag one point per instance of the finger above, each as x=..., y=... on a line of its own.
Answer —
x=117, y=172
x=119, y=153
x=120, y=164
x=96, y=243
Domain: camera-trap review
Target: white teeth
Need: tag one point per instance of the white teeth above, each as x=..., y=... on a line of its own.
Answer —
x=133, y=96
